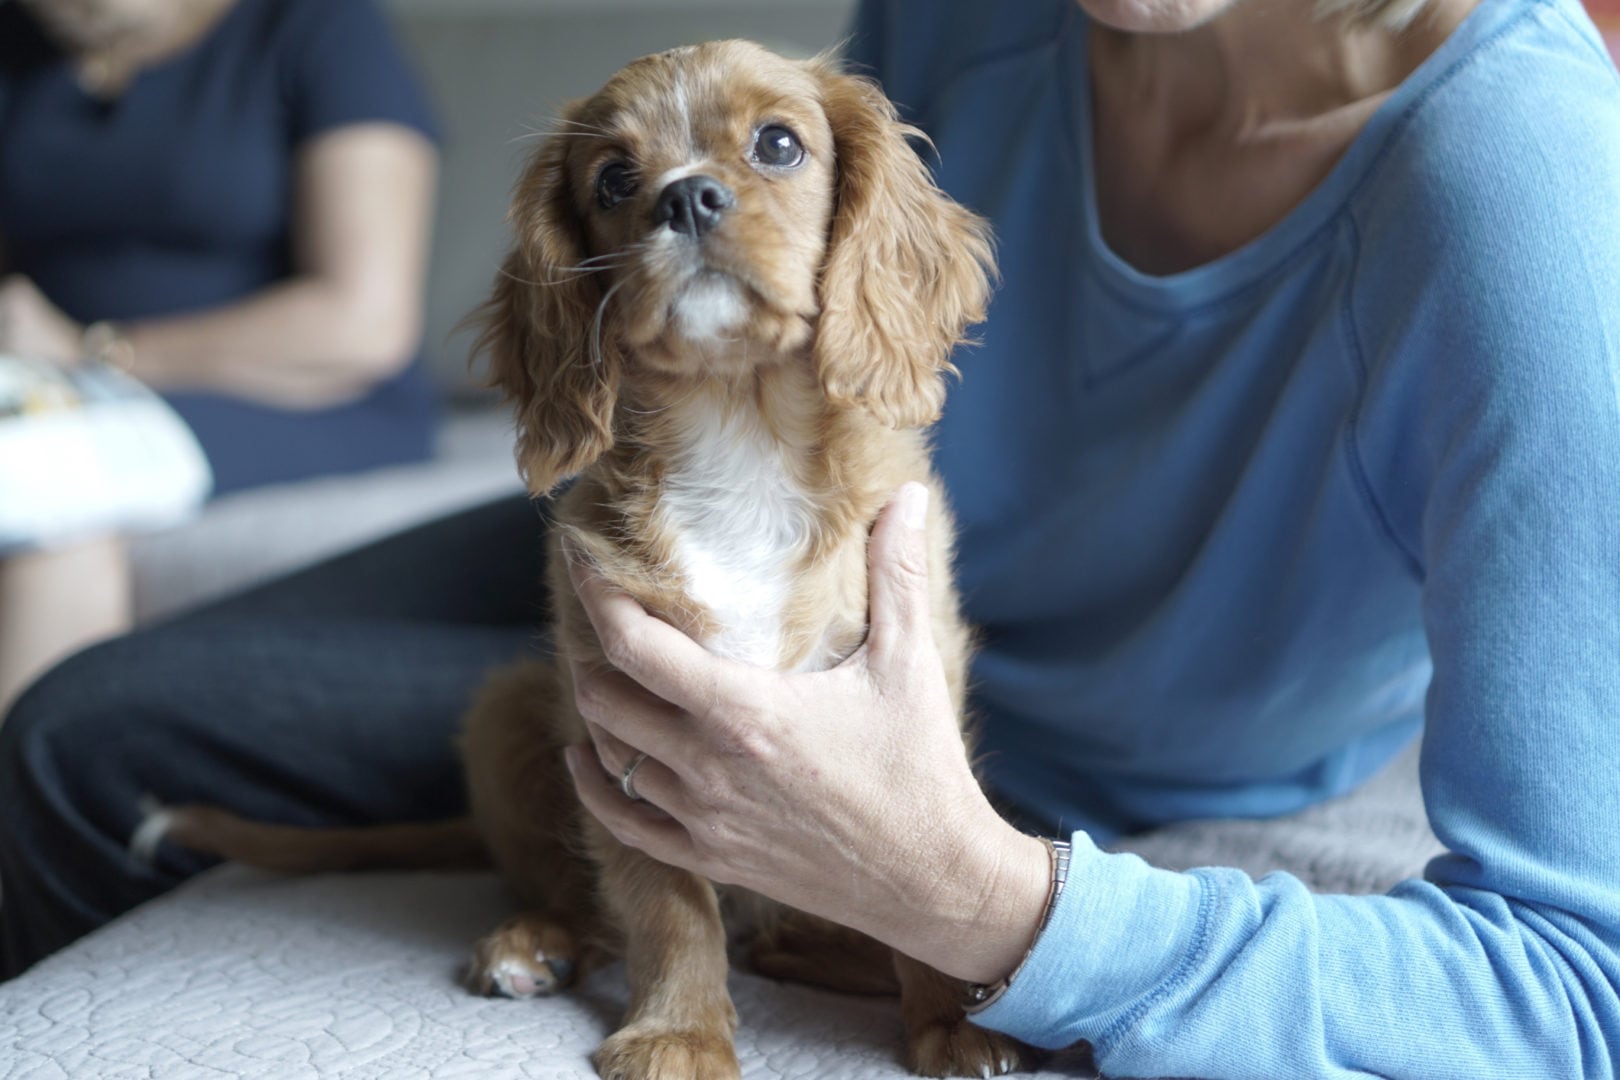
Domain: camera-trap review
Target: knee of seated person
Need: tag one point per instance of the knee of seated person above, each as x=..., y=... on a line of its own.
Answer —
x=70, y=718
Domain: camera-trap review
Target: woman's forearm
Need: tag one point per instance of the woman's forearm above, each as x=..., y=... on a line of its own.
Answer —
x=303, y=343
x=351, y=315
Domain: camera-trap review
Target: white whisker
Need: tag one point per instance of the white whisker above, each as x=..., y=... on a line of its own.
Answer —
x=555, y=135
x=676, y=403
x=585, y=268
x=581, y=124
x=596, y=326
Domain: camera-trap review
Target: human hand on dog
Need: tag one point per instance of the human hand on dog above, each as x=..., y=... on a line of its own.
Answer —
x=845, y=793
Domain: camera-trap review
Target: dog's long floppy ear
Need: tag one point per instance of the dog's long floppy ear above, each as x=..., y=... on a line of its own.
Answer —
x=907, y=269
x=547, y=351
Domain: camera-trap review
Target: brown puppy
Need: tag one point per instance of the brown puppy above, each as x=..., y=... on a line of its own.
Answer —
x=729, y=310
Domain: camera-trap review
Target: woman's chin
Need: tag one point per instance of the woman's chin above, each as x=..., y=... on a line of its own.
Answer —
x=1154, y=16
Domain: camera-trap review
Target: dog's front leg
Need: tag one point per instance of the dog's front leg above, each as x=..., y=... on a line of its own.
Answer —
x=681, y=1020
x=940, y=1039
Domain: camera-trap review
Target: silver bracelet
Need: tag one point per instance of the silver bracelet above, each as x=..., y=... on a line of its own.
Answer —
x=980, y=996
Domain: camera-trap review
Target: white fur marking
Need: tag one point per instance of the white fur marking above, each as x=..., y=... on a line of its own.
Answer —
x=708, y=307
x=685, y=107
x=507, y=975
x=679, y=172
x=820, y=658
x=740, y=524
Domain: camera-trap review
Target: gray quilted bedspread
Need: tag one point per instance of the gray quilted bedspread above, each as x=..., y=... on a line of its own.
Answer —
x=242, y=974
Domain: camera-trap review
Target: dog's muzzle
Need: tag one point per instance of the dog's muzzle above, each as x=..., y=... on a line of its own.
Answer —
x=693, y=205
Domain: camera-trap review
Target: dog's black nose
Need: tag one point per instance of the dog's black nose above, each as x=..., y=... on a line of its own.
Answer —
x=693, y=205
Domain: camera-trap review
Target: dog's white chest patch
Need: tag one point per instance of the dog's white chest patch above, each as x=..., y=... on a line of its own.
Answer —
x=710, y=307
x=740, y=524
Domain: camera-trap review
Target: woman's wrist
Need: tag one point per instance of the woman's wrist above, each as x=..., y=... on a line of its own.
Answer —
x=1014, y=906
x=984, y=906
x=981, y=995
x=108, y=342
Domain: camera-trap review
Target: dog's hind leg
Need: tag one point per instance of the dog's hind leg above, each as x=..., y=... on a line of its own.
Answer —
x=797, y=947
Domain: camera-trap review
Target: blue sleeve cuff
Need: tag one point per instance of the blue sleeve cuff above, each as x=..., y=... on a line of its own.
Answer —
x=1119, y=935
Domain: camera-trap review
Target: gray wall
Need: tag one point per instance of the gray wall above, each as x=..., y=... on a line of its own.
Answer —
x=499, y=70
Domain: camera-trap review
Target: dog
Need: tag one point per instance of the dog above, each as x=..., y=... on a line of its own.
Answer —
x=727, y=316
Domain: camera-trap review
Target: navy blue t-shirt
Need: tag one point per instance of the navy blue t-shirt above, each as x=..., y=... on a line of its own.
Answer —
x=178, y=195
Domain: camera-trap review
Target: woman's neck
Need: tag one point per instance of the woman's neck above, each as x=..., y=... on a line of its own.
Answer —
x=1208, y=137
x=1258, y=65
x=105, y=65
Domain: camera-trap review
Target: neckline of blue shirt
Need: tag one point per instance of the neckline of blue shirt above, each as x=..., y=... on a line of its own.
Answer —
x=64, y=64
x=1216, y=281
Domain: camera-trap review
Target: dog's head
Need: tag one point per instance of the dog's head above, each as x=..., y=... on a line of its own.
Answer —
x=718, y=207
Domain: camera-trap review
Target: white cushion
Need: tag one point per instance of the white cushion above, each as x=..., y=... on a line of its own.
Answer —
x=242, y=974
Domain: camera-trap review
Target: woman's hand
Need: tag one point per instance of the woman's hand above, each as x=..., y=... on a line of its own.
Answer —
x=845, y=793
x=30, y=325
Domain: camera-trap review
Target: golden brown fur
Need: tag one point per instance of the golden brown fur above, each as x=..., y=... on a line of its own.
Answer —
x=843, y=284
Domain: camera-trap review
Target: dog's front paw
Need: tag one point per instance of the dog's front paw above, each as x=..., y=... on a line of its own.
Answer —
x=525, y=956
x=642, y=1054
x=959, y=1048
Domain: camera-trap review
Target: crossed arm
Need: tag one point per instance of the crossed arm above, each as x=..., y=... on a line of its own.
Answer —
x=349, y=315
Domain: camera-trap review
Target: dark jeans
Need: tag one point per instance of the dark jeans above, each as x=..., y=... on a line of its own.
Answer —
x=329, y=697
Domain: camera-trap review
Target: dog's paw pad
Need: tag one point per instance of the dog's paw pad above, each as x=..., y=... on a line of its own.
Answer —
x=509, y=964
x=961, y=1049
x=513, y=977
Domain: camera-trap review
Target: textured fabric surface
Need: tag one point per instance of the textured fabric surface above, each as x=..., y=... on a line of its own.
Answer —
x=251, y=537
x=242, y=974
x=246, y=975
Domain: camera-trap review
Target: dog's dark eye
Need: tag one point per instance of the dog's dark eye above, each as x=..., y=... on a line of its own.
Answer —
x=614, y=184
x=776, y=145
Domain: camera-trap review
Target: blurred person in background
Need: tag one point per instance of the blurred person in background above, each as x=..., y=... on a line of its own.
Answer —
x=231, y=200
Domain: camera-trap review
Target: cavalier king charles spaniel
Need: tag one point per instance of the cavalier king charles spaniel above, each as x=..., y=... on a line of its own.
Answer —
x=727, y=317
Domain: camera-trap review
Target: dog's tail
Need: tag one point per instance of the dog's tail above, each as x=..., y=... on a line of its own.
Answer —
x=289, y=849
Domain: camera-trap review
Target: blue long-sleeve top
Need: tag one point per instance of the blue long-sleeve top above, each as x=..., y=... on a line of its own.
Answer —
x=1236, y=535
